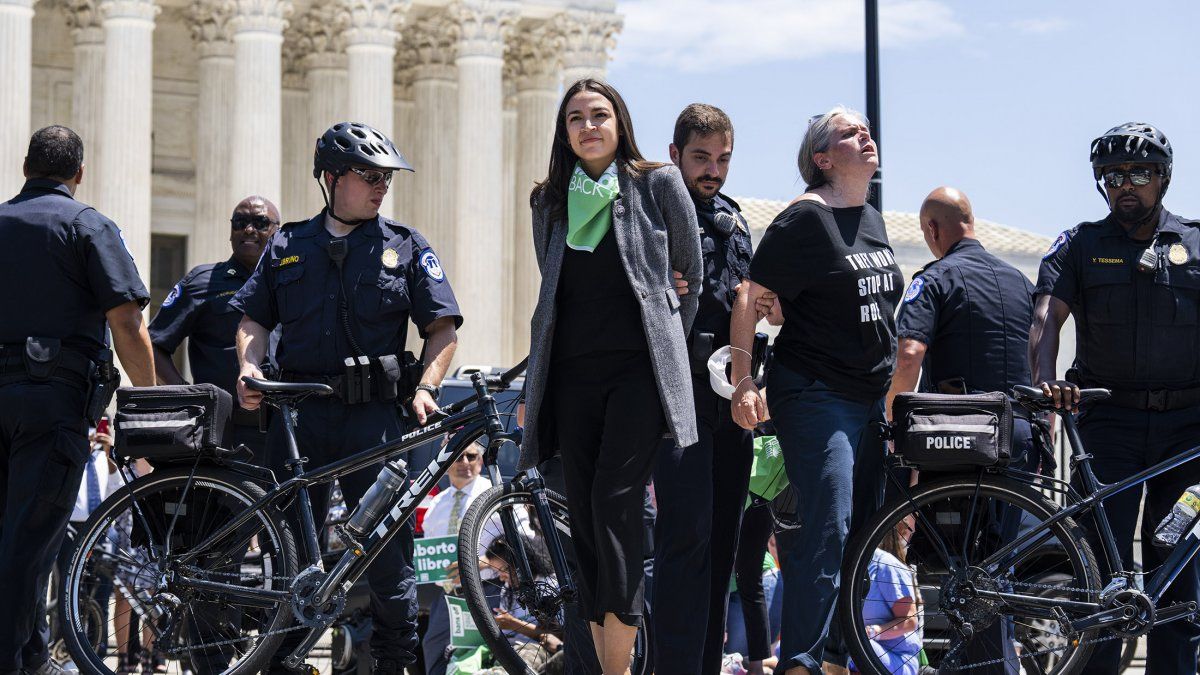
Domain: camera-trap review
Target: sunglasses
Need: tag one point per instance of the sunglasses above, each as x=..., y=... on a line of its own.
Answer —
x=260, y=223
x=469, y=456
x=373, y=176
x=1137, y=176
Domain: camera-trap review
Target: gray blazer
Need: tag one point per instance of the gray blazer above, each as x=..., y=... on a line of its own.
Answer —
x=654, y=222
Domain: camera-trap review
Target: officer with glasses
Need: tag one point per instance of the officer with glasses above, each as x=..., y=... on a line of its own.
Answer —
x=198, y=309
x=1132, y=283
x=343, y=286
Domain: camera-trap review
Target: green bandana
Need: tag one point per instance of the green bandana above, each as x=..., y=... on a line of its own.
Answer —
x=589, y=212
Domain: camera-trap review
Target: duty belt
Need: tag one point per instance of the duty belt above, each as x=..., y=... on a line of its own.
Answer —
x=339, y=385
x=1157, y=399
x=72, y=366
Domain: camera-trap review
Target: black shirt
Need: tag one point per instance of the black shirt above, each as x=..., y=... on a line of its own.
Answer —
x=198, y=308
x=390, y=273
x=1134, y=330
x=64, y=265
x=726, y=247
x=597, y=310
x=838, y=284
x=972, y=311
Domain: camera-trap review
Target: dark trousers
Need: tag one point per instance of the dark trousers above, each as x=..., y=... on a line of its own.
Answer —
x=834, y=460
x=43, y=447
x=329, y=430
x=609, y=420
x=1124, y=441
x=701, y=491
x=757, y=526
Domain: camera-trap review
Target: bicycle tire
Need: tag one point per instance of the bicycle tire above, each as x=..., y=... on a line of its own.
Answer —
x=186, y=504
x=1067, y=552
x=482, y=512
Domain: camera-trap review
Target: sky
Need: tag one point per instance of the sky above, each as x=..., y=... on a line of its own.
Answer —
x=1000, y=99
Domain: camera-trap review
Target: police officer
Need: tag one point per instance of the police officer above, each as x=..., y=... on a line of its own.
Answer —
x=344, y=284
x=77, y=275
x=1131, y=281
x=198, y=308
x=701, y=489
x=963, y=319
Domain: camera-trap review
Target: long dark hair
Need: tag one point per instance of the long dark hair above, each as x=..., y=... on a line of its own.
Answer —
x=553, y=190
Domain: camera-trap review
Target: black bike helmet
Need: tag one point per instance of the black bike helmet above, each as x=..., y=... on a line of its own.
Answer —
x=1132, y=142
x=349, y=143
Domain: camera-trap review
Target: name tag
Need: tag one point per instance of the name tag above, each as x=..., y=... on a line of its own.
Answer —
x=291, y=259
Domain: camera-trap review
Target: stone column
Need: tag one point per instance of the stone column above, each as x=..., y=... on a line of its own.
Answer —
x=370, y=56
x=16, y=90
x=508, y=341
x=433, y=151
x=588, y=38
x=479, y=186
x=83, y=18
x=403, y=130
x=298, y=182
x=123, y=182
x=210, y=23
x=257, y=155
x=536, y=58
x=318, y=36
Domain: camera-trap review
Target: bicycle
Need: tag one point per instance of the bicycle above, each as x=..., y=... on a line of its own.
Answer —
x=220, y=572
x=940, y=542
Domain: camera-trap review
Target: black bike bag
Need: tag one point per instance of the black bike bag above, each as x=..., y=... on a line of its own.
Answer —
x=950, y=432
x=171, y=423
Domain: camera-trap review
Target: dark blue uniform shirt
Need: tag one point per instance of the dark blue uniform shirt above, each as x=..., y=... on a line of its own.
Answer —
x=972, y=311
x=727, y=254
x=390, y=274
x=63, y=266
x=199, y=308
x=1134, y=330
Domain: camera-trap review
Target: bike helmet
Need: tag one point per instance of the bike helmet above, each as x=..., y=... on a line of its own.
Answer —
x=1132, y=142
x=350, y=143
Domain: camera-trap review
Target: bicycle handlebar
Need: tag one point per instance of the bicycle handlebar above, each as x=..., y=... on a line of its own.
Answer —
x=494, y=383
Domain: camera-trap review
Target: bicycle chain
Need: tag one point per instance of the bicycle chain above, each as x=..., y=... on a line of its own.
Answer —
x=1041, y=652
x=221, y=643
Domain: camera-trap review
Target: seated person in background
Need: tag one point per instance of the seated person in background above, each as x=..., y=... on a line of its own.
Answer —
x=891, y=610
x=536, y=645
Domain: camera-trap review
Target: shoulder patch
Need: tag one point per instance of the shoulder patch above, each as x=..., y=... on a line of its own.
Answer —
x=1059, y=242
x=432, y=266
x=914, y=290
x=172, y=296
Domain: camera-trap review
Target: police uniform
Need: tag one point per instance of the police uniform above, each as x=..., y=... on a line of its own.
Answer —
x=972, y=311
x=701, y=489
x=1138, y=334
x=199, y=308
x=65, y=266
x=389, y=275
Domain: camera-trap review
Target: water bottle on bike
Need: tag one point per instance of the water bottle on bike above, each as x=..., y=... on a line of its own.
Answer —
x=1172, y=527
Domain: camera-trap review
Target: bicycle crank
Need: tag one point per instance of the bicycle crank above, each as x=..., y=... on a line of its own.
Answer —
x=310, y=611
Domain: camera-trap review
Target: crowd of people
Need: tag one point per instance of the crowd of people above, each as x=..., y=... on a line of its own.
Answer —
x=647, y=269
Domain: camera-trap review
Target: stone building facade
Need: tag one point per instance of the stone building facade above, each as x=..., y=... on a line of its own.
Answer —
x=186, y=106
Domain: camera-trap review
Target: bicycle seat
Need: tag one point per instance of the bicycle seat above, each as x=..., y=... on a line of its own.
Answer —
x=273, y=389
x=1034, y=399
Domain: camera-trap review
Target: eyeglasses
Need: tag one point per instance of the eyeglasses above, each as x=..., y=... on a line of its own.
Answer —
x=373, y=176
x=260, y=223
x=1137, y=176
x=469, y=456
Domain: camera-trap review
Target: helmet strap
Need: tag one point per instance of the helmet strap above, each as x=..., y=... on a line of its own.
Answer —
x=329, y=202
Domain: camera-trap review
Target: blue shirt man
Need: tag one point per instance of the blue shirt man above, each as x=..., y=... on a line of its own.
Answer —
x=68, y=274
x=341, y=285
x=198, y=308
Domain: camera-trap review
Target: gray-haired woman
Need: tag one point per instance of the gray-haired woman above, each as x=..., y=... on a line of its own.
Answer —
x=827, y=257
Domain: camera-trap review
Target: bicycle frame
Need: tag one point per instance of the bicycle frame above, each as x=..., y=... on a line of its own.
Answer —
x=1093, y=494
x=358, y=556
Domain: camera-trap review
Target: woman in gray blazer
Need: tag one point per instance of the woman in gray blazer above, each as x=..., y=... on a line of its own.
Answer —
x=608, y=368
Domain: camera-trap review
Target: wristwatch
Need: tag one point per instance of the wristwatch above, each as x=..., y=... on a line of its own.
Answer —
x=435, y=391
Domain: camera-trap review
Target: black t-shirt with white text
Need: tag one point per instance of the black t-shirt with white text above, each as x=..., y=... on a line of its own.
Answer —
x=838, y=285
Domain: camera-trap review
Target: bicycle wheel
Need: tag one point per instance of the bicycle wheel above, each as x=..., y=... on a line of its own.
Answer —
x=915, y=574
x=490, y=583
x=134, y=540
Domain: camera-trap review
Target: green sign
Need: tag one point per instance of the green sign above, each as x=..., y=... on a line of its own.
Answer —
x=462, y=625
x=431, y=557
